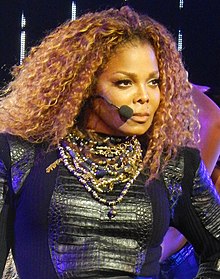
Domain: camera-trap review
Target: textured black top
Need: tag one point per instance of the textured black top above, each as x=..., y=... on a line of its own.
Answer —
x=59, y=231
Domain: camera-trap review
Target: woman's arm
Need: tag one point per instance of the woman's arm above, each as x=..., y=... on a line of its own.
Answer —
x=209, y=118
x=216, y=177
x=4, y=202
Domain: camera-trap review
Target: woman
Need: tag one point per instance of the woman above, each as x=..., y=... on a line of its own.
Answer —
x=99, y=154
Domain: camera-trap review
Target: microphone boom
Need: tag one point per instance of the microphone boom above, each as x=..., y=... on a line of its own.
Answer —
x=124, y=111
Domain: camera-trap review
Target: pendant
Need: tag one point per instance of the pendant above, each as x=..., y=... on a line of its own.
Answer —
x=110, y=187
x=112, y=213
x=53, y=165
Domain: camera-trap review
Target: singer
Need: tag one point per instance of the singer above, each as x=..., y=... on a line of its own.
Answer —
x=99, y=155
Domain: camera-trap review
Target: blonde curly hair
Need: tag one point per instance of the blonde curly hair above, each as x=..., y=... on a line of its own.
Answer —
x=56, y=79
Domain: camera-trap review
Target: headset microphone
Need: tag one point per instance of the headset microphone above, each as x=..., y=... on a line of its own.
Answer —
x=124, y=111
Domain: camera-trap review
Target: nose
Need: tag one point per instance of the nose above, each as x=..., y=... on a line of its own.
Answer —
x=142, y=95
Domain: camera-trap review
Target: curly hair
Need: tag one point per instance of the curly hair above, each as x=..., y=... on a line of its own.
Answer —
x=50, y=88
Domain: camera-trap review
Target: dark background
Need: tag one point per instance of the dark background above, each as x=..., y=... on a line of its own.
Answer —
x=199, y=21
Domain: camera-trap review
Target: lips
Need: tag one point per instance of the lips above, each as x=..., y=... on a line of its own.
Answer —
x=140, y=117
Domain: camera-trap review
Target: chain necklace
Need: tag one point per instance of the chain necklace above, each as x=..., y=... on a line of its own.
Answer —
x=102, y=162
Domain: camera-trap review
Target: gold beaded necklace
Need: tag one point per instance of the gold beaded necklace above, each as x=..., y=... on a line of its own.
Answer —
x=101, y=162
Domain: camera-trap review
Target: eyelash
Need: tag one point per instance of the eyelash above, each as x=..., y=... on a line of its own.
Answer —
x=126, y=82
x=155, y=81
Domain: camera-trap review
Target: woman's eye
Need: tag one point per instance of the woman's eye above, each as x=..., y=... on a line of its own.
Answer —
x=123, y=83
x=155, y=82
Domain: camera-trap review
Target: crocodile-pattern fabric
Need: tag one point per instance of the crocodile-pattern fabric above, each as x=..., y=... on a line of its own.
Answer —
x=209, y=270
x=86, y=241
x=22, y=156
x=3, y=184
x=172, y=176
x=206, y=201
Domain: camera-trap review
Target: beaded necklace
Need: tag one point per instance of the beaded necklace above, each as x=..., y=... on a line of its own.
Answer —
x=102, y=162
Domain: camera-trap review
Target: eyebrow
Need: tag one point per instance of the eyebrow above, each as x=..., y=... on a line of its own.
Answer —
x=133, y=75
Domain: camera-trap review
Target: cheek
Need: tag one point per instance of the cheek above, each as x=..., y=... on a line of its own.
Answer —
x=155, y=102
x=107, y=113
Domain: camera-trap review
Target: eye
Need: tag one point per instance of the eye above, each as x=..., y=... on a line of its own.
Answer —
x=154, y=82
x=123, y=83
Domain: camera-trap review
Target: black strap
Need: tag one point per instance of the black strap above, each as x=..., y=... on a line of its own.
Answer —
x=191, y=163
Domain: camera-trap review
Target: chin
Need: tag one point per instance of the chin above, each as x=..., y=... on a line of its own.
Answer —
x=134, y=132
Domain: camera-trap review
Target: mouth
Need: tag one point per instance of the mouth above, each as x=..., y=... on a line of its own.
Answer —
x=140, y=117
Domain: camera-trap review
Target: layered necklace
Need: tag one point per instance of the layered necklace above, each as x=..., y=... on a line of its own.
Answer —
x=101, y=163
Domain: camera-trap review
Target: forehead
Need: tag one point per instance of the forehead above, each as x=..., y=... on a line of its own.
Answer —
x=133, y=56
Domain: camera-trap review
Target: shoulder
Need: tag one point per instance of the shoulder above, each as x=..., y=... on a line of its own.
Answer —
x=5, y=157
x=17, y=158
x=180, y=171
x=192, y=158
x=19, y=148
x=186, y=159
x=13, y=148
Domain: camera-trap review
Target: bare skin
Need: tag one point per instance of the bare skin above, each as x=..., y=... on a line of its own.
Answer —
x=209, y=118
